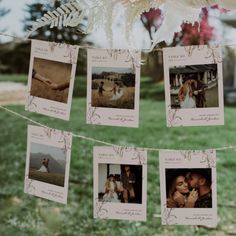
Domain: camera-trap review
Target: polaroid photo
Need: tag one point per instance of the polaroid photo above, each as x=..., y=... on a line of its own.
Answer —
x=48, y=163
x=188, y=187
x=113, y=82
x=51, y=78
x=120, y=183
x=193, y=86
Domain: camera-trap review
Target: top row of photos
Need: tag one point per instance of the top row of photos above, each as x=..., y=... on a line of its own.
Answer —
x=193, y=84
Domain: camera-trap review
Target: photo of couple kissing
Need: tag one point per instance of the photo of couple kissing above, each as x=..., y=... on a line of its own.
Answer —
x=188, y=188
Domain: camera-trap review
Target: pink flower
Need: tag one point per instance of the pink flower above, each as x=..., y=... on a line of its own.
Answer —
x=152, y=18
x=198, y=33
x=152, y=15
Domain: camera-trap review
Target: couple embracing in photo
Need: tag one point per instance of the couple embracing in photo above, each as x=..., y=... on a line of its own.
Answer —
x=190, y=190
x=44, y=165
x=192, y=94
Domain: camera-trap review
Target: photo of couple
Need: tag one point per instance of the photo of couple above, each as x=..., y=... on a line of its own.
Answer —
x=47, y=164
x=116, y=90
x=50, y=80
x=113, y=87
x=120, y=183
x=194, y=86
x=44, y=167
x=188, y=188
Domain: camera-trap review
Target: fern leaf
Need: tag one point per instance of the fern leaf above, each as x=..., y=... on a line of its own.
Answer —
x=56, y=13
x=60, y=11
x=60, y=21
x=76, y=19
x=46, y=16
x=65, y=9
x=67, y=14
x=72, y=8
x=50, y=14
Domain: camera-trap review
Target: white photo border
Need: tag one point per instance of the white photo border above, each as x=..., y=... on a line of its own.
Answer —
x=191, y=159
x=193, y=55
x=120, y=156
x=116, y=58
x=54, y=138
x=54, y=52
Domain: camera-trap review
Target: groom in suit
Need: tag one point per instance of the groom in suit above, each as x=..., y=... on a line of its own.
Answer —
x=198, y=89
x=200, y=179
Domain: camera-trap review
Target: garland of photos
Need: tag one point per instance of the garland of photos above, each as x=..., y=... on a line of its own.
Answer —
x=92, y=139
x=230, y=147
x=71, y=14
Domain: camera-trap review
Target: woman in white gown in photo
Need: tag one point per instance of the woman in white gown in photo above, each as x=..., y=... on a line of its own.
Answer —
x=44, y=166
x=117, y=92
x=111, y=190
x=185, y=95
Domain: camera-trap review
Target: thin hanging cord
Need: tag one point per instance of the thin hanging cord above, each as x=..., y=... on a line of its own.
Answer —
x=92, y=47
x=47, y=127
x=101, y=141
x=15, y=37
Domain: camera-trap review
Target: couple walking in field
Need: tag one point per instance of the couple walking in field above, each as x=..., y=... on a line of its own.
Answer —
x=116, y=90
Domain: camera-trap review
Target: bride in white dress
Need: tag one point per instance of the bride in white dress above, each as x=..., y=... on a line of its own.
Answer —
x=111, y=190
x=117, y=92
x=43, y=169
x=186, y=95
x=44, y=166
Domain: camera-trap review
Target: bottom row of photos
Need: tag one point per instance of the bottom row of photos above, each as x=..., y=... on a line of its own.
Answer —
x=187, y=179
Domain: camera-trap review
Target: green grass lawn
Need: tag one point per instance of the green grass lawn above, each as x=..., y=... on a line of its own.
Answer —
x=14, y=78
x=22, y=214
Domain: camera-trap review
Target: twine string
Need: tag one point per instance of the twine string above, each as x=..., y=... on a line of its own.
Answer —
x=147, y=50
x=101, y=141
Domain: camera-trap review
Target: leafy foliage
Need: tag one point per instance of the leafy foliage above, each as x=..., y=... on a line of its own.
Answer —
x=60, y=34
x=102, y=13
x=98, y=14
x=64, y=15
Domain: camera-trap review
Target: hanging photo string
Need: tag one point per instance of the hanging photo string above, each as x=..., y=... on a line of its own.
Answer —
x=141, y=62
x=231, y=147
x=80, y=46
x=92, y=139
x=145, y=50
